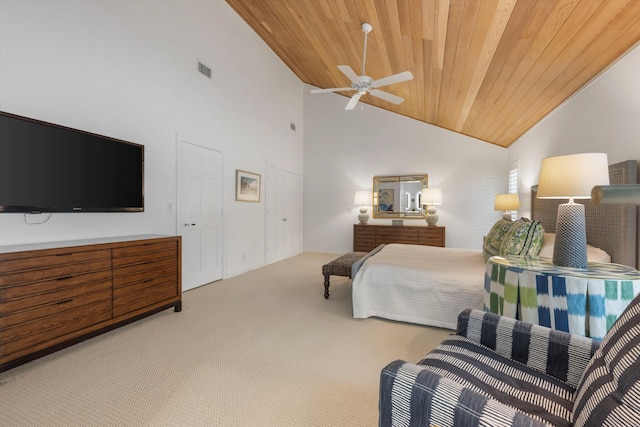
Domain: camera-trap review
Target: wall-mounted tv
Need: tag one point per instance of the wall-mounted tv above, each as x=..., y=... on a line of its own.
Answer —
x=51, y=168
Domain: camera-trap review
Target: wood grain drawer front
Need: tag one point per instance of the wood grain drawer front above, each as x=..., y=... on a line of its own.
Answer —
x=125, y=253
x=144, y=258
x=145, y=297
x=31, y=322
x=61, y=259
x=397, y=235
x=44, y=286
x=431, y=236
x=364, y=238
x=53, y=298
x=57, y=272
x=124, y=276
x=24, y=316
x=38, y=335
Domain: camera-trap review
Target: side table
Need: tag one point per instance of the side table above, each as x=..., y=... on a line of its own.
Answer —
x=580, y=301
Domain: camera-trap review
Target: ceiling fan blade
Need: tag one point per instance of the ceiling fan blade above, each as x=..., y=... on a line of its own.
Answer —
x=353, y=101
x=386, y=96
x=396, y=78
x=347, y=71
x=334, y=89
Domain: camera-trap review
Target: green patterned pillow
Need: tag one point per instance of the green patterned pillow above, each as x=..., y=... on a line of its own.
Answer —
x=494, y=238
x=523, y=238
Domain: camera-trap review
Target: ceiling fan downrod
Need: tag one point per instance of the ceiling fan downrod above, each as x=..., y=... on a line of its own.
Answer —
x=366, y=29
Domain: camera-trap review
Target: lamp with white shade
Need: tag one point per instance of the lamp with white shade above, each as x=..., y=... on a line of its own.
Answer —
x=363, y=199
x=506, y=203
x=571, y=177
x=431, y=197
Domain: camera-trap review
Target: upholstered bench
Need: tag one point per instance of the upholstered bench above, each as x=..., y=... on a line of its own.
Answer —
x=340, y=267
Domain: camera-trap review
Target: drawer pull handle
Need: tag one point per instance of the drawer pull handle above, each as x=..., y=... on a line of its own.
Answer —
x=64, y=302
x=64, y=278
x=65, y=254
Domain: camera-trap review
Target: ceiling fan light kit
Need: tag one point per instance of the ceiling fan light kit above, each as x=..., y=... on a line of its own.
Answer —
x=363, y=83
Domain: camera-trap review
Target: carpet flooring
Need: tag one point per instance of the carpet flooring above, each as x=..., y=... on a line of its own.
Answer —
x=260, y=349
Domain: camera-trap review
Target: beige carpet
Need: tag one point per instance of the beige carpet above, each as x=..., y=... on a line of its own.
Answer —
x=260, y=349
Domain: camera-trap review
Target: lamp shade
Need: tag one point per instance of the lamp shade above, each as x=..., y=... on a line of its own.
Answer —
x=431, y=196
x=572, y=176
x=362, y=198
x=507, y=202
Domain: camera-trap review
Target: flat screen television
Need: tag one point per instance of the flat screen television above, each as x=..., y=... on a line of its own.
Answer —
x=50, y=168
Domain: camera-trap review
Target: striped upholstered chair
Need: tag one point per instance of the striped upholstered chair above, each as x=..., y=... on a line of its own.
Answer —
x=497, y=371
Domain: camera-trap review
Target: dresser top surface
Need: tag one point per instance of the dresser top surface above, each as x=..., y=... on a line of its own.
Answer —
x=81, y=242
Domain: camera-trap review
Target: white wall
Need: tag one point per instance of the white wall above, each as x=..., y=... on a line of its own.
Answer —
x=603, y=117
x=128, y=69
x=343, y=150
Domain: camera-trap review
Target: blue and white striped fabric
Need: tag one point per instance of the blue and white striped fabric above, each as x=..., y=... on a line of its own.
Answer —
x=496, y=371
x=609, y=392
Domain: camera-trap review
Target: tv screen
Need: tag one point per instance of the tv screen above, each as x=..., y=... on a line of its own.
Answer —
x=50, y=168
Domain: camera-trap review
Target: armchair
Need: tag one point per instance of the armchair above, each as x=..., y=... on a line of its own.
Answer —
x=497, y=371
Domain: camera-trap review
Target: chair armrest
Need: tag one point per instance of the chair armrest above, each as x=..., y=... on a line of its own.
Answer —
x=411, y=395
x=557, y=353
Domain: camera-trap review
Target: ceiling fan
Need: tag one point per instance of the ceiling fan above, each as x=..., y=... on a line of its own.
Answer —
x=363, y=84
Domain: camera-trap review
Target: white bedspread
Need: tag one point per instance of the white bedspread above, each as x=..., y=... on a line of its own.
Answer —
x=419, y=284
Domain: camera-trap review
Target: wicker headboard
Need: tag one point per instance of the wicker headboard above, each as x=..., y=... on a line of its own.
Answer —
x=612, y=228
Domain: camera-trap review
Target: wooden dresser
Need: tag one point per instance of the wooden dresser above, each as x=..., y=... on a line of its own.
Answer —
x=55, y=295
x=367, y=236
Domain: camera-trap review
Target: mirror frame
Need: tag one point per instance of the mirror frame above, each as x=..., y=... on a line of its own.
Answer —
x=377, y=180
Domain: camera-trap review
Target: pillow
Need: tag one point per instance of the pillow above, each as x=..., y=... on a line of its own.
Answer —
x=523, y=238
x=492, y=242
x=593, y=254
x=607, y=394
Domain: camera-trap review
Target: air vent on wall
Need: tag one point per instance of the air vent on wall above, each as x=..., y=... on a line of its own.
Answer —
x=204, y=69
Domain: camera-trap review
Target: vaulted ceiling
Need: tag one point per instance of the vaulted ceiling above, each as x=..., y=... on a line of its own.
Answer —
x=489, y=69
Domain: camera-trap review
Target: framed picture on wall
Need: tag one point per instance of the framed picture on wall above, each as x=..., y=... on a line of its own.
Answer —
x=247, y=186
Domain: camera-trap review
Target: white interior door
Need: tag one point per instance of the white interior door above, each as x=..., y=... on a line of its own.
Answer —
x=200, y=214
x=284, y=214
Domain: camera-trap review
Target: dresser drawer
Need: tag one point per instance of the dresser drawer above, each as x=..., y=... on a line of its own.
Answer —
x=43, y=318
x=128, y=252
x=52, y=298
x=31, y=288
x=139, y=272
x=144, y=258
x=59, y=259
x=144, y=297
x=56, y=272
x=431, y=236
x=397, y=235
x=50, y=331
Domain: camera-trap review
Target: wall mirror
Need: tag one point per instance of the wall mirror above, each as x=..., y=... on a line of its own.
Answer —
x=398, y=196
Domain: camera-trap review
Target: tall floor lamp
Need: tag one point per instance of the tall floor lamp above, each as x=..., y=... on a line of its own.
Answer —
x=571, y=177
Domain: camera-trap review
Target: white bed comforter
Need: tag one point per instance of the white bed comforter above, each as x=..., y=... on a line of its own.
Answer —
x=419, y=284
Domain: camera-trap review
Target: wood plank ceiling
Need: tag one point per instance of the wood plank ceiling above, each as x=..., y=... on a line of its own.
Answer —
x=489, y=69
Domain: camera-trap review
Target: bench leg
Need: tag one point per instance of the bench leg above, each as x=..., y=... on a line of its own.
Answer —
x=326, y=286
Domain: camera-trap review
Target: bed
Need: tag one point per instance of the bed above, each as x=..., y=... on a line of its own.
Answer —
x=430, y=285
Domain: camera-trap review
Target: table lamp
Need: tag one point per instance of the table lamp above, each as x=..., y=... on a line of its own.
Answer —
x=571, y=177
x=506, y=203
x=363, y=199
x=431, y=197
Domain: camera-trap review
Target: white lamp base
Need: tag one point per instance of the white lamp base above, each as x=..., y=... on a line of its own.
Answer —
x=363, y=217
x=432, y=216
x=570, y=248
